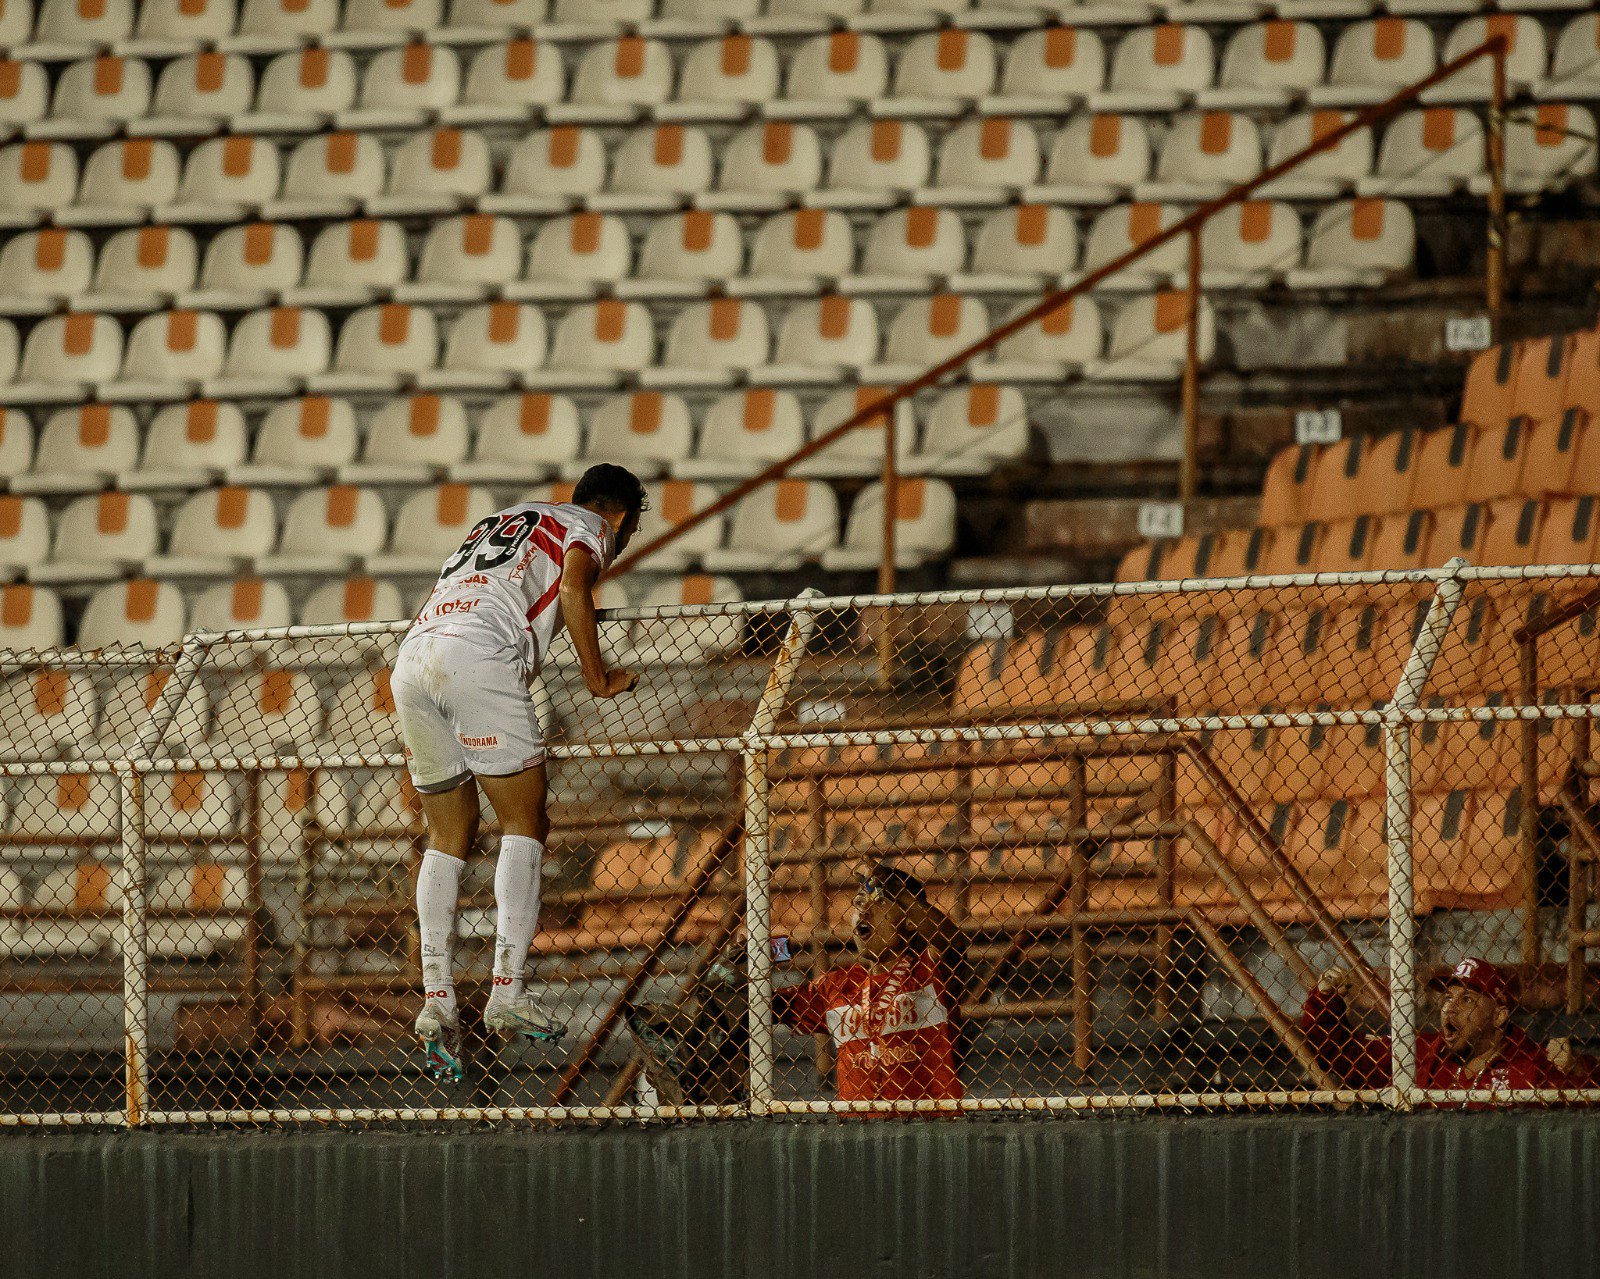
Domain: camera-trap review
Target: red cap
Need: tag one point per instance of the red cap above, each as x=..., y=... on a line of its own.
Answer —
x=1479, y=975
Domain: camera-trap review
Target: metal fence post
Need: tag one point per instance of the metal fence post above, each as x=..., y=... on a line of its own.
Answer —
x=135, y=915
x=757, y=867
x=1397, y=788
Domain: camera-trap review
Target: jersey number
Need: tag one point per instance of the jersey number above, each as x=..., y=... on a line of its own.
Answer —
x=492, y=542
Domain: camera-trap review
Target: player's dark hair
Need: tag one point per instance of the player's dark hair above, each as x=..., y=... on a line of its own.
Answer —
x=892, y=882
x=610, y=487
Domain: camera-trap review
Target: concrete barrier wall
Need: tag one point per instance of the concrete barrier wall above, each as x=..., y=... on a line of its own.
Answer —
x=1453, y=1196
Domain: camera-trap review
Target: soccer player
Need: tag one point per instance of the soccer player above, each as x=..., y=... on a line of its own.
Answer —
x=461, y=692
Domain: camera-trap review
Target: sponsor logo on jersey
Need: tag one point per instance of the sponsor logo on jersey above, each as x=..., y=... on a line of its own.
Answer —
x=478, y=743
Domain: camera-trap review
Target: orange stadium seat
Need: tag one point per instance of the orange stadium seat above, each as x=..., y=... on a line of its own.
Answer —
x=1400, y=541
x=1237, y=667
x=1293, y=550
x=1240, y=552
x=1075, y=666
x=1363, y=647
x=1457, y=531
x=1330, y=761
x=1337, y=482
x=1287, y=493
x=1541, y=377
x=1551, y=452
x=1569, y=532
x=1582, y=387
x=1513, y=535
x=1443, y=459
x=1346, y=545
x=1465, y=755
x=1491, y=387
x=1442, y=850
x=1340, y=848
x=1494, y=469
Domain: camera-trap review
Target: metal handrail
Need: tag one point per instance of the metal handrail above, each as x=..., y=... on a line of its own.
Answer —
x=1496, y=47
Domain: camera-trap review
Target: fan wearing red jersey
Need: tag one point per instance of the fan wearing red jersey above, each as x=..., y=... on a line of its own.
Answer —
x=461, y=693
x=893, y=1017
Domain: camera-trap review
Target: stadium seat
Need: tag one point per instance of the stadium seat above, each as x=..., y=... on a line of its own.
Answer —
x=821, y=338
x=275, y=352
x=858, y=452
x=123, y=183
x=597, y=342
x=1158, y=68
x=628, y=72
x=216, y=533
x=1574, y=67
x=250, y=266
x=1048, y=65
x=30, y=617
x=1568, y=533
x=175, y=26
x=1441, y=467
x=1267, y=65
x=355, y=599
x=1494, y=468
x=875, y=164
x=1325, y=176
x=505, y=82
x=578, y=253
x=24, y=90
x=522, y=437
x=268, y=712
x=428, y=527
x=434, y=172
x=671, y=503
x=334, y=175
x=1432, y=153
x=225, y=179
x=918, y=245
x=380, y=348
x=41, y=269
x=300, y=442
x=1490, y=390
x=938, y=72
x=1070, y=337
x=364, y=20
x=1021, y=248
x=411, y=440
x=1204, y=153
x=779, y=527
x=799, y=252
x=303, y=91
x=100, y=538
x=1545, y=153
x=648, y=432
x=463, y=259
x=46, y=713
x=1457, y=531
x=71, y=351
x=1123, y=227
x=973, y=430
x=722, y=78
x=926, y=331
x=137, y=612
x=655, y=170
x=351, y=263
x=684, y=253
x=24, y=534
x=548, y=169
x=1527, y=58
x=199, y=910
x=269, y=24
x=362, y=716
x=1550, y=458
x=71, y=28
x=246, y=602
x=743, y=431
x=1513, y=534
x=986, y=162
x=1095, y=159
x=328, y=531
x=1541, y=377
x=1361, y=243
x=95, y=97
x=1147, y=340
x=142, y=269
x=840, y=69
x=199, y=93
x=170, y=355
x=1249, y=245
x=490, y=347
x=35, y=177
x=82, y=450
x=710, y=343
x=83, y=899
x=924, y=523
x=763, y=166
x=687, y=639
x=406, y=87
x=1375, y=59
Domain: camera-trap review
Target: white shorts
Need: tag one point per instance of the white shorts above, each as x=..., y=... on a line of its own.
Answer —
x=463, y=712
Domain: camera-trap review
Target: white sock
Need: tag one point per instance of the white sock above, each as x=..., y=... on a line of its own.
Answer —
x=438, y=888
x=516, y=901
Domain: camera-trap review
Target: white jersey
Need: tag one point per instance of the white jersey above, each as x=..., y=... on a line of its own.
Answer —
x=499, y=589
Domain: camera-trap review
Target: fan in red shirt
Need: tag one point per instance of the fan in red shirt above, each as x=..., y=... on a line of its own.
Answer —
x=892, y=1016
x=1475, y=1047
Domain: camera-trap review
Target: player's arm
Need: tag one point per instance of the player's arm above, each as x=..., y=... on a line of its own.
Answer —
x=578, y=573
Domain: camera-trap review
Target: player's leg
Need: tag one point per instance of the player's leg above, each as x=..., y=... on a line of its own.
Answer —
x=450, y=809
x=518, y=800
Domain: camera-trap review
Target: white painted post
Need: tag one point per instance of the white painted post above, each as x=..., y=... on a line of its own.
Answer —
x=1397, y=787
x=757, y=868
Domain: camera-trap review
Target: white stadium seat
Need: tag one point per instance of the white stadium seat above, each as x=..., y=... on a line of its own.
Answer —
x=124, y=182
x=30, y=617
x=845, y=67
x=251, y=265
x=513, y=77
x=300, y=441
x=655, y=168
x=328, y=531
x=1148, y=339
x=396, y=18
x=1158, y=68
x=95, y=96
x=24, y=533
x=1364, y=242
x=779, y=527
x=549, y=168
x=24, y=91
x=859, y=452
x=331, y=175
x=924, y=526
x=1095, y=157
x=201, y=909
x=192, y=805
x=630, y=72
x=225, y=178
x=737, y=69
x=100, y=538
x=128, y=711
x=355, y=599
x=1324, y=176
x=82, y=24
x=522, y=437
x=710, y=342
x=954, y=64
x=972, y=429
x=744, y=431
x=688, y=249
x=1249, y=245
x=411, y=440
x=168, y=26
x=198, y=93
x=648, y=432
x=1267, y=65
x=246, y=602
x=137, y=612
x=671, y=503
x=170, y=354
x=429, y=526
x=274, y=24
x=927, y=330
x=1527, y=57
x=35, y=177
x=82, y=450
x=1373, y=60
x=1434, y=152
x=603, y=339
x=404, y=87
x=1548, y=151
x=435, y=172
x=1070, y=337
x=983, y=162
x=491, y=346
x=822, y=337
x=1122, y=227
x=39, y=269
x=353, y=262
x=304, y=89
x=764, y=165
x=463, y=257
x=692, y=638
x=216, y=533
x=268, y=712
x=143, y=269
x=361, y=718
x=582, y=249
x=874, y=162
x=190, y=446
x=72, y=350
x=1019, y=248
x=380, y=347
x=1204, y=153
x=800, y=251
x=273, y=352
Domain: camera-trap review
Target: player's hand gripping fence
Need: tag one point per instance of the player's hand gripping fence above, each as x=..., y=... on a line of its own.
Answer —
x=1147, y=820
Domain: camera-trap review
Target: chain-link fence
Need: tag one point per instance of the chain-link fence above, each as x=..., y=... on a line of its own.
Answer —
x=1205, y=844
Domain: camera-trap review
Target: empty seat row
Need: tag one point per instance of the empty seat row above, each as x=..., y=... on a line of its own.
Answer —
x=519, y=439
x=770, y=166
x=197, y=911
x=218, y=532
x=174, y=355
x=580, y=256
x=1155, y=68
x=1234, y=663
x=1519, y=456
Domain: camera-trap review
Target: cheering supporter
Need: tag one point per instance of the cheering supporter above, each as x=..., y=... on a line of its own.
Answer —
x=893, y=1016
x=1476, y=1046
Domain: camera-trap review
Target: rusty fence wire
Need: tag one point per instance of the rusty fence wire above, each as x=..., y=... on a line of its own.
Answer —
x=1195, y=845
